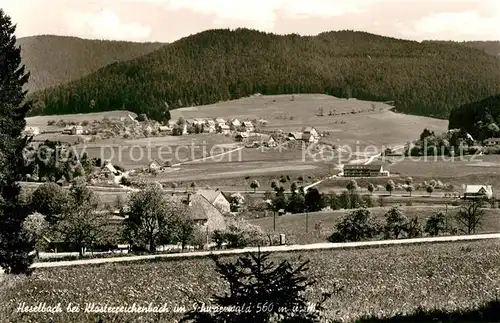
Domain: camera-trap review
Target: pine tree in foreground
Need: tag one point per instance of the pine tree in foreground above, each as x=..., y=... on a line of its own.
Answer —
x=261, y=292
x=15, y=245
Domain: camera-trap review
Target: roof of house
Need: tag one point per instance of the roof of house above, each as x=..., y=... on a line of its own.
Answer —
x=224, y=126
x=296, y=135
x=371, y=167
x=200, y=208
x=309, y=129
x=238, y=195
x=110, y=167
x=220, y=120
x=477, y=188
x=248, y=124
x=210, y=195
x=492, y=139
x=243, y=134
x=189, y=121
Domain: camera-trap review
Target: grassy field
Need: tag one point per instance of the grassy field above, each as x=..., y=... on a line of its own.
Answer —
x=380, y=127
x=376, y=281
x=294, y=226
x=140, y=152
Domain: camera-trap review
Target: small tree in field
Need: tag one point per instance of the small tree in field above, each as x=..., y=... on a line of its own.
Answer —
x=470, y=216
x=371, y=188
x=193, y=185
x=352, y=185
x=354, y=226
x=254, y=185
x=430, y=189
x=409, y=189
x=389, y=187
x=435, y=224
x=36, y=227
x=396, y=222
x=409, y=181
x=293, y=187
x=271, y=293
x=174, y=185
x=274, y=184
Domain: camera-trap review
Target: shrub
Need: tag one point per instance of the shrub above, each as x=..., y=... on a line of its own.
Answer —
x=239, y=234
x=356, y=225
x=125, y=181
x=396, y=223
x=435, y=224
x=51, y=122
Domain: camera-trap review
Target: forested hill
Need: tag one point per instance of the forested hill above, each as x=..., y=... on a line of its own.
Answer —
x=54, y=60
x=481, y=119
x=422, y=78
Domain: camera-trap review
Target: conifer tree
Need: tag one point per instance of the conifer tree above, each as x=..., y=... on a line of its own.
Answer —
x=261, y=291
x=15, y=245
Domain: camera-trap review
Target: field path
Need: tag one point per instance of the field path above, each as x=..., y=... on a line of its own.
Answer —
x=316, y=246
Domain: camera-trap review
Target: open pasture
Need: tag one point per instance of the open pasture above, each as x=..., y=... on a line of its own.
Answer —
x=294, y=226
x=376, y=281
x=140, y=152
x=365, y=127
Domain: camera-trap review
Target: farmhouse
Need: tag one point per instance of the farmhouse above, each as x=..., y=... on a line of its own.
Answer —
x=210, y=123
x=371, y=170
x=295, y=136
x=492, y=142
x=310, y=134
x=190, y=121
x=199, y=121
x=248, y=125
x=31, y=131
x=217, y=199
x=478, y=191
x=164, y=128
x=235, y=123
x=172, y=123
x=204, y=213
x=224, y=129
x=77, y=130
x=109, y=169
x=242, y=136
x=209, y=129
x=268, y=141
x=220, y=121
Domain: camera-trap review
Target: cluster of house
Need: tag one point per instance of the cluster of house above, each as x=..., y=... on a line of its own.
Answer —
x=75, y=130
x=212, y=125
x=308, y=134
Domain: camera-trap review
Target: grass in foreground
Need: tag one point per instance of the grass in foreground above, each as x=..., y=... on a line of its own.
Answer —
x=377, y=282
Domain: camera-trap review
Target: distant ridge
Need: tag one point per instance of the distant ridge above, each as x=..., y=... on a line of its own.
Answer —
x=53, y=60
x=428, y=78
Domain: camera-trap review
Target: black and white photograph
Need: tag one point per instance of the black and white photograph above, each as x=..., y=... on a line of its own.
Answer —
x=227, y=161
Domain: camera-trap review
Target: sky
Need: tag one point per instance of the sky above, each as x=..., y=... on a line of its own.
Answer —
x=169, y=20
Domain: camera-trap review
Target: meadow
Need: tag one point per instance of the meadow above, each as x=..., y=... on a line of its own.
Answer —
x=376, y=281
x=294, y=226
x=363, y=127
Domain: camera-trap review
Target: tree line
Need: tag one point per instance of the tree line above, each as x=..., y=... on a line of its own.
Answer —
x=421, y=78
x=481, y=119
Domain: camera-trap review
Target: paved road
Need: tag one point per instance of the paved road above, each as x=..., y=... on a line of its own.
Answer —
x=316, y=246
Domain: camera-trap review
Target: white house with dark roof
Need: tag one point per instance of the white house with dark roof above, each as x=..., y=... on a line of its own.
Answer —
x=235, y=123
x=478, y=191
x=248, y=125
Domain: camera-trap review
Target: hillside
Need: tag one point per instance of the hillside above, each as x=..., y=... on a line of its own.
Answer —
x=53, y=60
x=423, y=78
x=489, y=47
x=481, y=119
